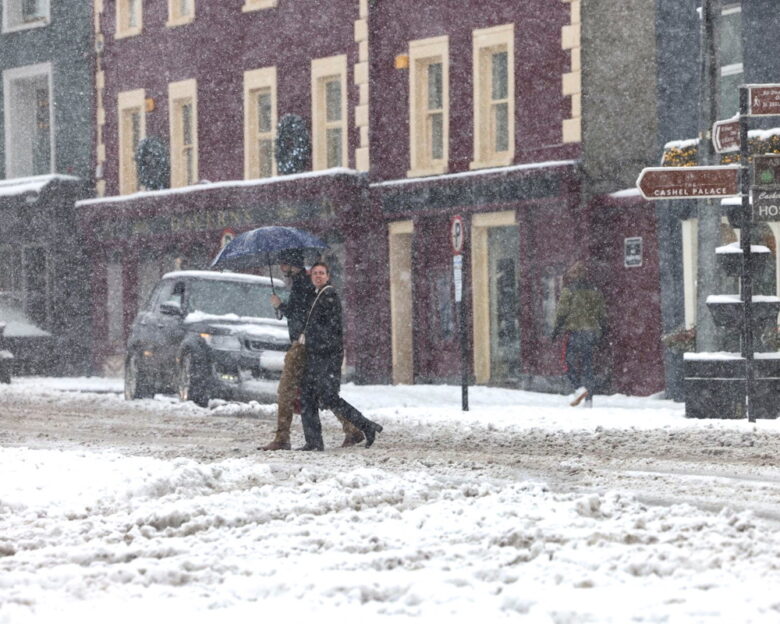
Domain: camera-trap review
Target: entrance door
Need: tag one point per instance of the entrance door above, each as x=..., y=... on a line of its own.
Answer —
x=504, y=303
x=400, y=243
x=496, y=301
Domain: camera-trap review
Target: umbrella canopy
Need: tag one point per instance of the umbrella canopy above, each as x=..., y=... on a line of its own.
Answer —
x=263, y=245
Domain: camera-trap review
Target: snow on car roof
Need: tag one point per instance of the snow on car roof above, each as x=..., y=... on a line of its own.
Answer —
x=225, y=275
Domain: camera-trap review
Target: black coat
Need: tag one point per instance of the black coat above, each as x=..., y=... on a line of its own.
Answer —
x=296, y=308
x=325, y=346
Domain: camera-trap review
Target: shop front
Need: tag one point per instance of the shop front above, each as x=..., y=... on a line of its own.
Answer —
x=524, y=227
x=133, y=240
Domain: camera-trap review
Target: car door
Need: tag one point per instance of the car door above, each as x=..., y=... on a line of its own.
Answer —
x=167, y=325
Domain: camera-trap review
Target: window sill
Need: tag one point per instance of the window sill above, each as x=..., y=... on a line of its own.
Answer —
x=127, y=33
x=179, y=21
x=38, y=23
x=258, y=5
x=428, y=171
x=503, y=161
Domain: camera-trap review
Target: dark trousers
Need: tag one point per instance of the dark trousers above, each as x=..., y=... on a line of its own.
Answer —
x=579, y=358
x=320, y=388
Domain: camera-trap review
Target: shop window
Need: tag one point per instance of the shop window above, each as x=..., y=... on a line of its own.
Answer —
x=180, y=12
x=20, y=14
x=10, y=272
x=129, y=18
x=36, y=285
x=29, y=144
x=257, y=5
x=494, y=108
x=428, y=106
x=182, y=100
x=132, y=128
x=260, y=123
x=329, y=112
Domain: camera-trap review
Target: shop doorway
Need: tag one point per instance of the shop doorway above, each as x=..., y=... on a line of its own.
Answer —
x=400, y=245
x=496, y=299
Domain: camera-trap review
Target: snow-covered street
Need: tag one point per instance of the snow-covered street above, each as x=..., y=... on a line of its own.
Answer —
x=521, y=509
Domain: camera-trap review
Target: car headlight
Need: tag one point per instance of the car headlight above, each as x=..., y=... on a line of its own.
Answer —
x=222, y=342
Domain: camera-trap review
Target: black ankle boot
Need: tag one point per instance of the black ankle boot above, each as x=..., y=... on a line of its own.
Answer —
x=370, y=432
x=311, y=447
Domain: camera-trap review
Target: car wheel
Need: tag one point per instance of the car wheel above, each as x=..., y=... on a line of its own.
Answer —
x=192, y=381
x=137, y=385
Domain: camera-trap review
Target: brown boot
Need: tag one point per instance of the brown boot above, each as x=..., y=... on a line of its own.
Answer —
x=353, y=438
x=275, y=445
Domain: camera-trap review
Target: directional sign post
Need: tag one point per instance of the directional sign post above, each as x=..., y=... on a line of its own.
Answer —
x=689, y=182
x=725, y=135
x=763, y=100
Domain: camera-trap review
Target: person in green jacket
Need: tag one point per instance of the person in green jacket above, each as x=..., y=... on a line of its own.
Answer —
x=581, y=315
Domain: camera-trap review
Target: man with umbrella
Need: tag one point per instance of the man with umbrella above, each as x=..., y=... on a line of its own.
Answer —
x=302, y=294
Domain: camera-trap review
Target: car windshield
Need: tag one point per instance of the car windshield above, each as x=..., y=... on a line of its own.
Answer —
x=223, y=297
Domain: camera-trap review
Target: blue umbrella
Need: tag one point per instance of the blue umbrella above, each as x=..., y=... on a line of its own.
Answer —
x=263, y=246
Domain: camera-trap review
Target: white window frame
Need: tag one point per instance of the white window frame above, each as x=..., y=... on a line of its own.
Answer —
x=123, y=27
x=128, y=101
x=255, y=81
x=258, y=5
x=12, y=16
x=180, y=12
x=15, y=129
x=422, y=54
x=486, y=42
x=323, y=71
x=181, y=94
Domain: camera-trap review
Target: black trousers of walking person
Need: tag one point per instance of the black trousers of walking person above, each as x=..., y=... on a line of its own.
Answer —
x=320, y=389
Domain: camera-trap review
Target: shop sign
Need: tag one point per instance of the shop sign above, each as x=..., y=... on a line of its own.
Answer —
x=632, y=252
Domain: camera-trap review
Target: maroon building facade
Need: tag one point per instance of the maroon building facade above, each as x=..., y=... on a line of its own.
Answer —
x=415, y=112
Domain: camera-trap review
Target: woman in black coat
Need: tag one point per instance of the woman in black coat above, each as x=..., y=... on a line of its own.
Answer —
x=323, y=339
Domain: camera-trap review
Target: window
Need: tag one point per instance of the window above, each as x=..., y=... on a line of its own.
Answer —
x=29, y=143
x=132, y=128
x=429, y=106
x=20, y=14
x=329, y=112
x=10, y=272
x=260, y=123
x=180, y=12
x=129, y=18
x=36, y=285
x=730, y=59
x=257, y=5
x=494, y=101
x=182, y=99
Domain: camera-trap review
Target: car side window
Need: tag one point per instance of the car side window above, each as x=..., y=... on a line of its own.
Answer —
x=169, y=292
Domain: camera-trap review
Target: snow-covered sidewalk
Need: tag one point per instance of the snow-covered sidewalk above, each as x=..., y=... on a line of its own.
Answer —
x=98, y=535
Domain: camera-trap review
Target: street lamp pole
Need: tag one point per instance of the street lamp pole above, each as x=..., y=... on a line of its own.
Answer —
x=708, y=209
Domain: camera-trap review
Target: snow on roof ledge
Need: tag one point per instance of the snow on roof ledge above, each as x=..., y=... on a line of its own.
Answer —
x=13, y=187
x=629, y=192
x=206, y=186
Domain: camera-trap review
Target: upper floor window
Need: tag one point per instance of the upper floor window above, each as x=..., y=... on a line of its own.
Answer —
x=260, y=123
x=429, y=106
x=29, y=142
x=494, y=101
x=132, y=128
x=329, y=112
x=20, y=14
x=129, y=18
x=180, y=12
x=257, y=5
x=732, y=73
x=182, y=98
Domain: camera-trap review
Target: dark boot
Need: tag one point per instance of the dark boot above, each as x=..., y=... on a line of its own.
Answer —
x=353, y=438
x=275, y=445
x=351, y=414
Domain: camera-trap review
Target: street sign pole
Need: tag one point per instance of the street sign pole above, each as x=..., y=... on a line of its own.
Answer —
x=746, y=235
x=458, y=241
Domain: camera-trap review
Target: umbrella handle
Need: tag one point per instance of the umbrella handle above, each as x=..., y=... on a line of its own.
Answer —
x=277, y=311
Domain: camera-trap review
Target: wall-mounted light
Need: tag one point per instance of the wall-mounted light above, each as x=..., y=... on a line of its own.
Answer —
x=149, y=105
x=402, y=61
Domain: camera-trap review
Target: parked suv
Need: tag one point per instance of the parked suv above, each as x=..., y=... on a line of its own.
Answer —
x=206, y=334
